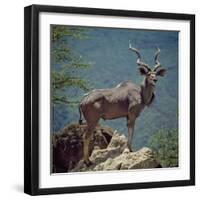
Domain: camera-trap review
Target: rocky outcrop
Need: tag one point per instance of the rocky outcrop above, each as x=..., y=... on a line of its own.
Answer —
x=118, y=157
x=108, y=151
x=67, y=145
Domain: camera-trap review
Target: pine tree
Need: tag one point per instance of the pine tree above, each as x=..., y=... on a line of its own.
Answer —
x=66, y=65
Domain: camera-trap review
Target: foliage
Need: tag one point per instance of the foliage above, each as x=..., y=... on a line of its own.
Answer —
x=67, y=64
x=164, y=143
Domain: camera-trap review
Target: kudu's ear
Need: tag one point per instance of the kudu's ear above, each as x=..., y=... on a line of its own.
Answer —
x=161, y=71
x=143, y=70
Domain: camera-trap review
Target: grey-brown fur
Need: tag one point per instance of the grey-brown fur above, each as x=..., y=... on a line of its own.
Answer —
x=112, y=103
x=125, y=100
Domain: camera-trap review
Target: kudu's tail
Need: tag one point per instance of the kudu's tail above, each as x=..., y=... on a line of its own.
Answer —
x=80, y=114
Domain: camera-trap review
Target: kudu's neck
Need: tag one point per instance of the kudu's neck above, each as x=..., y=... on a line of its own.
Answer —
x=147, y=91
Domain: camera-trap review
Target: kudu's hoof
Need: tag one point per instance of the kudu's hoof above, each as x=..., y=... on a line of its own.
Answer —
x=130, y=148
x=88, y=163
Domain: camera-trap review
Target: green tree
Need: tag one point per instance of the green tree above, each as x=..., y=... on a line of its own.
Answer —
x=67, y=63
x=164, y=143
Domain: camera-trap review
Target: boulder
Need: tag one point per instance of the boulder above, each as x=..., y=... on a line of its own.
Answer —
x=108, y=151
x=118, y=157
x=67, y=145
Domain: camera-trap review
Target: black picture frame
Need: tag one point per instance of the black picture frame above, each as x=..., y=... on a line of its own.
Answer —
x=31, y=98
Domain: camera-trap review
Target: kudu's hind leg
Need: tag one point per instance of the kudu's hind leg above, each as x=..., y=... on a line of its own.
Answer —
x=130, y=125
x=86, y=144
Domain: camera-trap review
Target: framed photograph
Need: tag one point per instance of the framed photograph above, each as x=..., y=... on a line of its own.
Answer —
x=109, y=99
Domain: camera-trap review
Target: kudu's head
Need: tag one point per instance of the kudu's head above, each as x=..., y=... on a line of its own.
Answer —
x=151, y=75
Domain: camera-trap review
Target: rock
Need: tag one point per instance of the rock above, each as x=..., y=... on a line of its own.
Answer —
x=108, y=151
x=68, y=145
x=118, y=157
x=140, y=159
x=115, y=148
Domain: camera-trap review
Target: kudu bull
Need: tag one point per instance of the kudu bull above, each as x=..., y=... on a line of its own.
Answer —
x=125, y=100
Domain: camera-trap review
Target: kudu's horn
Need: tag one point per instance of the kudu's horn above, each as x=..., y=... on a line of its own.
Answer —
x=139, y=59
x=156, y=59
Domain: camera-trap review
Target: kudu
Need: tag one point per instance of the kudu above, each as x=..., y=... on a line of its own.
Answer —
x=125, y=100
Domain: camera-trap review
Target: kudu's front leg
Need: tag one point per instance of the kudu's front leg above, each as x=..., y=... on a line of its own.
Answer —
x=130, y=124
